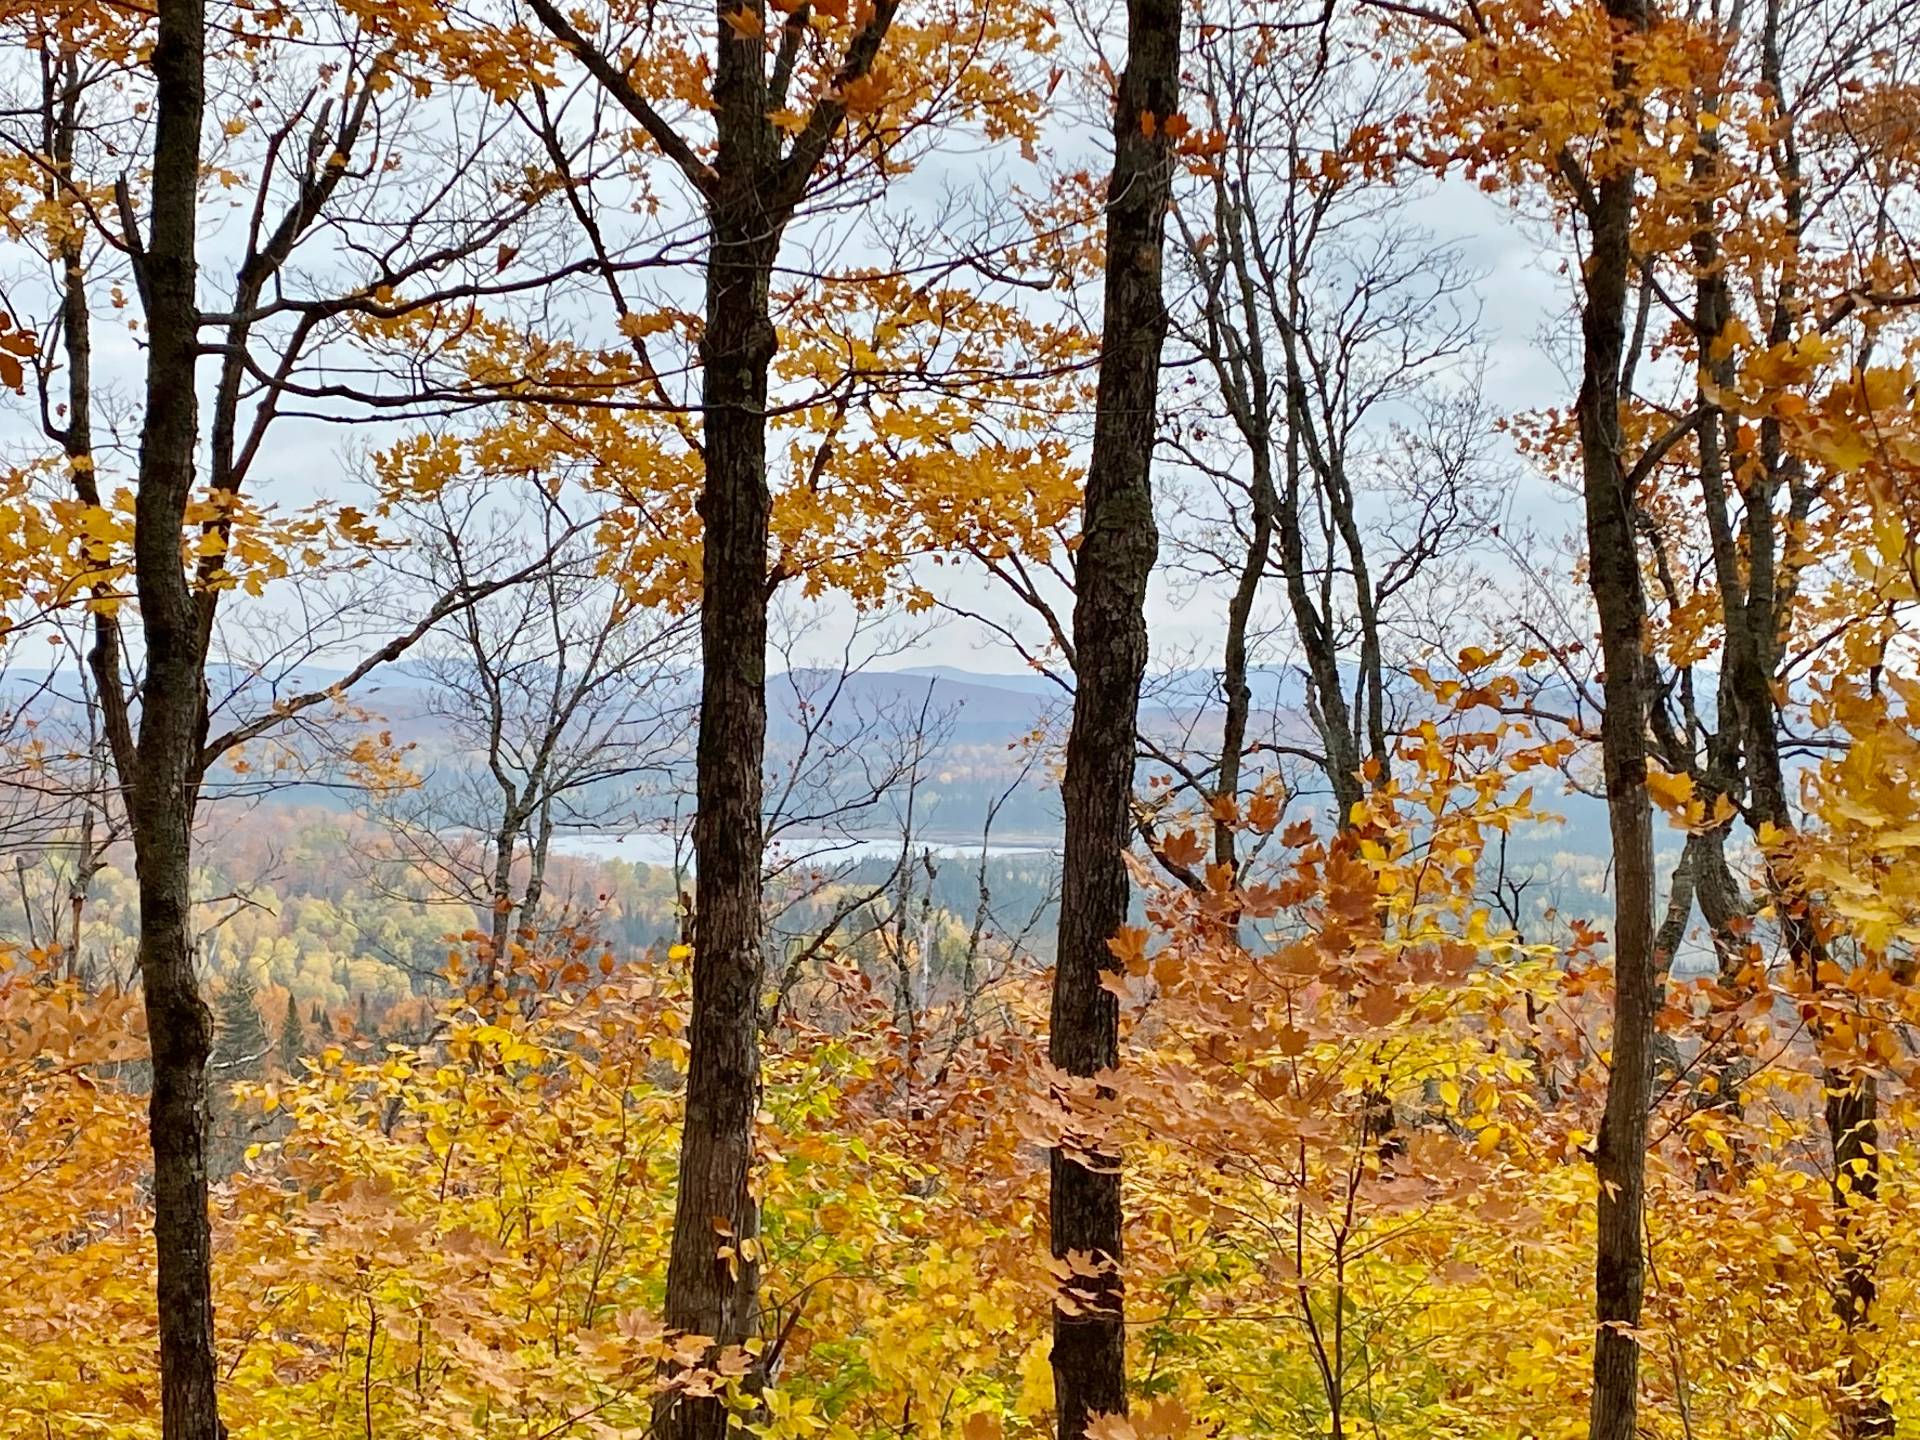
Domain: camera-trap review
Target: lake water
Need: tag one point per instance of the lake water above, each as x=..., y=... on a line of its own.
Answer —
x=653, y=848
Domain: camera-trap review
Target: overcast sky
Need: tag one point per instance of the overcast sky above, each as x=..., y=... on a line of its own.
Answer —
x=1525, y=324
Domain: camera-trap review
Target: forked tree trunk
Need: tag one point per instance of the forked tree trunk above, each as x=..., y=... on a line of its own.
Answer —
x=1614, y=575
x=1116, y=555
x=163, y=780
x=750, y=190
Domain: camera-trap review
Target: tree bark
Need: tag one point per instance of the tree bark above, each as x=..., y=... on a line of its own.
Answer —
x=712, y=1275
x=1614, y=576
x=1115, y=559
x=708, y=1294
x=1235, y=684
x=164, y=781
x=1853, y=1130
x=500, y=895
x=750, y=190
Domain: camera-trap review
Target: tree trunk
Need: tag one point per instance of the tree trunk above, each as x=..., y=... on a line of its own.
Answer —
x=1234, y=682
x=709, y=1292
x=1853, y=1130
x=500, y=904
x=1117, y=549
x=165, y=777
x=537, y=854
x=1614, y=575
x=1240, y=366
x=750, y=190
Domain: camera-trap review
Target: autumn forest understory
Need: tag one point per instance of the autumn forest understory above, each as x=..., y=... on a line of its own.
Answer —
x=1110, y=719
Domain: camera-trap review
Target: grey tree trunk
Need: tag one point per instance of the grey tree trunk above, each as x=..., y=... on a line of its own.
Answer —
x=500, y=893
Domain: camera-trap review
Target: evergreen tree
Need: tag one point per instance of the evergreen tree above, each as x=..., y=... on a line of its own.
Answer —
x=322, y=1022
x=241, y=1031
x=293, y=1037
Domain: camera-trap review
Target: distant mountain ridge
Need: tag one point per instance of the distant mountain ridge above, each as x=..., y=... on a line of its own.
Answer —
x=982, y=723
